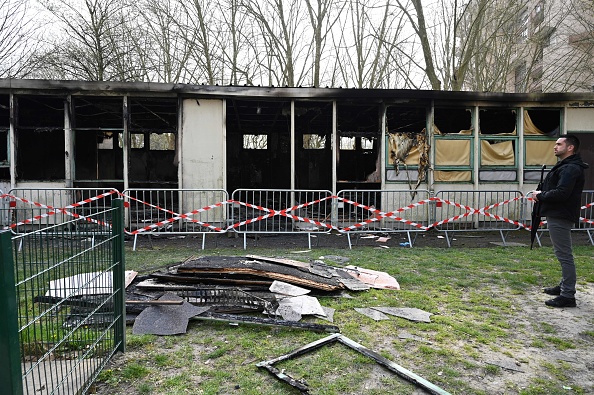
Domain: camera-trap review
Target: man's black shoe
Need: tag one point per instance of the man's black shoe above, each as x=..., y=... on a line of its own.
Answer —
x=553, y=290
x=561, y=301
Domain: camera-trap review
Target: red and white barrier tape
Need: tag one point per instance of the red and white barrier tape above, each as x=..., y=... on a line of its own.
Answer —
x=378, y=214
x=54, y=210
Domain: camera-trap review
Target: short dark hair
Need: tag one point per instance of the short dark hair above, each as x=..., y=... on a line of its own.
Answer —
x=571, y=139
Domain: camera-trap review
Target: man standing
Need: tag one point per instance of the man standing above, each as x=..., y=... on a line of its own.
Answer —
x=560, y=203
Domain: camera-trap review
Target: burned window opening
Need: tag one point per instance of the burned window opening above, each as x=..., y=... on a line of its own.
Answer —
x=546, y=121
x=153, y=115
x=40, y=112
x=313, y=151
x=153, y=142
x=4, y=136
x=255, y=141
x=498, y=145
x=358, y=167
x=98, y=112
x=497, y=121
x=314, y=141
x=258, y=168
x=452, y=120
x=97, y=156
x=39, y=135
x=408, y=144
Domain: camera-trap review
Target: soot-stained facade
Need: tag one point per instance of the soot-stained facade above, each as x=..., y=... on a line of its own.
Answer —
x=139, y=135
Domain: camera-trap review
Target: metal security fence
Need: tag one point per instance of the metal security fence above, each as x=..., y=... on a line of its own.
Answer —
x=374, y=211
x=26, y=210
x=175, y=212
x=463, y=211
x=586, y=222
x=274, y=211
x=63, y=302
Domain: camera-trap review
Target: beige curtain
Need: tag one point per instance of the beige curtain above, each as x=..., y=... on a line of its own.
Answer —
x=540, y=152
x=452, y=176
x=497, y=154
x=529, y=127
x=452, y=152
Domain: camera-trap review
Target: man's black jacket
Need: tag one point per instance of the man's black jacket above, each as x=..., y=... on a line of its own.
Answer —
x=562, y=189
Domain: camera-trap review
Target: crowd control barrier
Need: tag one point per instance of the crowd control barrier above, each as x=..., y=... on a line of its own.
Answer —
x=26, y=210
x=362, y=212
x=191, y=212
x=171, y=212
x=278, y=211
x=585, y=222
x=465, y=211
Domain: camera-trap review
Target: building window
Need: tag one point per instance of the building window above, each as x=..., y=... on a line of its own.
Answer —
x=255, y=141
x=520, y=78
x=523, y=26
x=314, y=141
x=366, y=143
x=347, y=143
x=162, y=142
x=538, y=15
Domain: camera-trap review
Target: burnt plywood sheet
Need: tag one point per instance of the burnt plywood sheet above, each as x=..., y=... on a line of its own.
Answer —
x=168, y=319
x=241, y=267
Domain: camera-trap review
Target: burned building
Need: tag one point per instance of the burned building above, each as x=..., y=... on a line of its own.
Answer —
x=146, y=135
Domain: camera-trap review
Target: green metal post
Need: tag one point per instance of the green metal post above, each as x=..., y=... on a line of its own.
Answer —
x=10, y=361
x=119, y=274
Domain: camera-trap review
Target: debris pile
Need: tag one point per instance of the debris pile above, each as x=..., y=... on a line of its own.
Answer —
x=225, y=286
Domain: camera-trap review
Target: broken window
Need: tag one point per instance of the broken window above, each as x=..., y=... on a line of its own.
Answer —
x=267, y=161
x=40, y=138
x=498, y=144
x=314, y=141
x=454, y=144
x=162, y=141
x=408, y=155
x=367, y=143
x=153, y=142
x=358, y=166
x=255, y=141
x=136, y=141
x=313, y=151
x=347, y=143
x=541, y=130
x=97, y=121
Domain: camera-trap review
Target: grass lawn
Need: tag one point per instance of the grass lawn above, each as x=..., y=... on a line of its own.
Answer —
x=488, y=311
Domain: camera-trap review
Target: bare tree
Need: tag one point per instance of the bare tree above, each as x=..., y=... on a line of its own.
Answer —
x=366, y=43
x=87, y=44
x=237, y=56
x=322, y=22
x=18, y=39
x=281, y=27
x=166, y=41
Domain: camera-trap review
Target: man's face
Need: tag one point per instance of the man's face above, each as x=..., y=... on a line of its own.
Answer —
x=562, y=150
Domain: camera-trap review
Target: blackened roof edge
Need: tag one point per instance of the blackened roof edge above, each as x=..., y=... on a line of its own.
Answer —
x=24, y=86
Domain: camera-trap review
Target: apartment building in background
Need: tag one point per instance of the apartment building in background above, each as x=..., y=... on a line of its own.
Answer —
x=554, y=49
